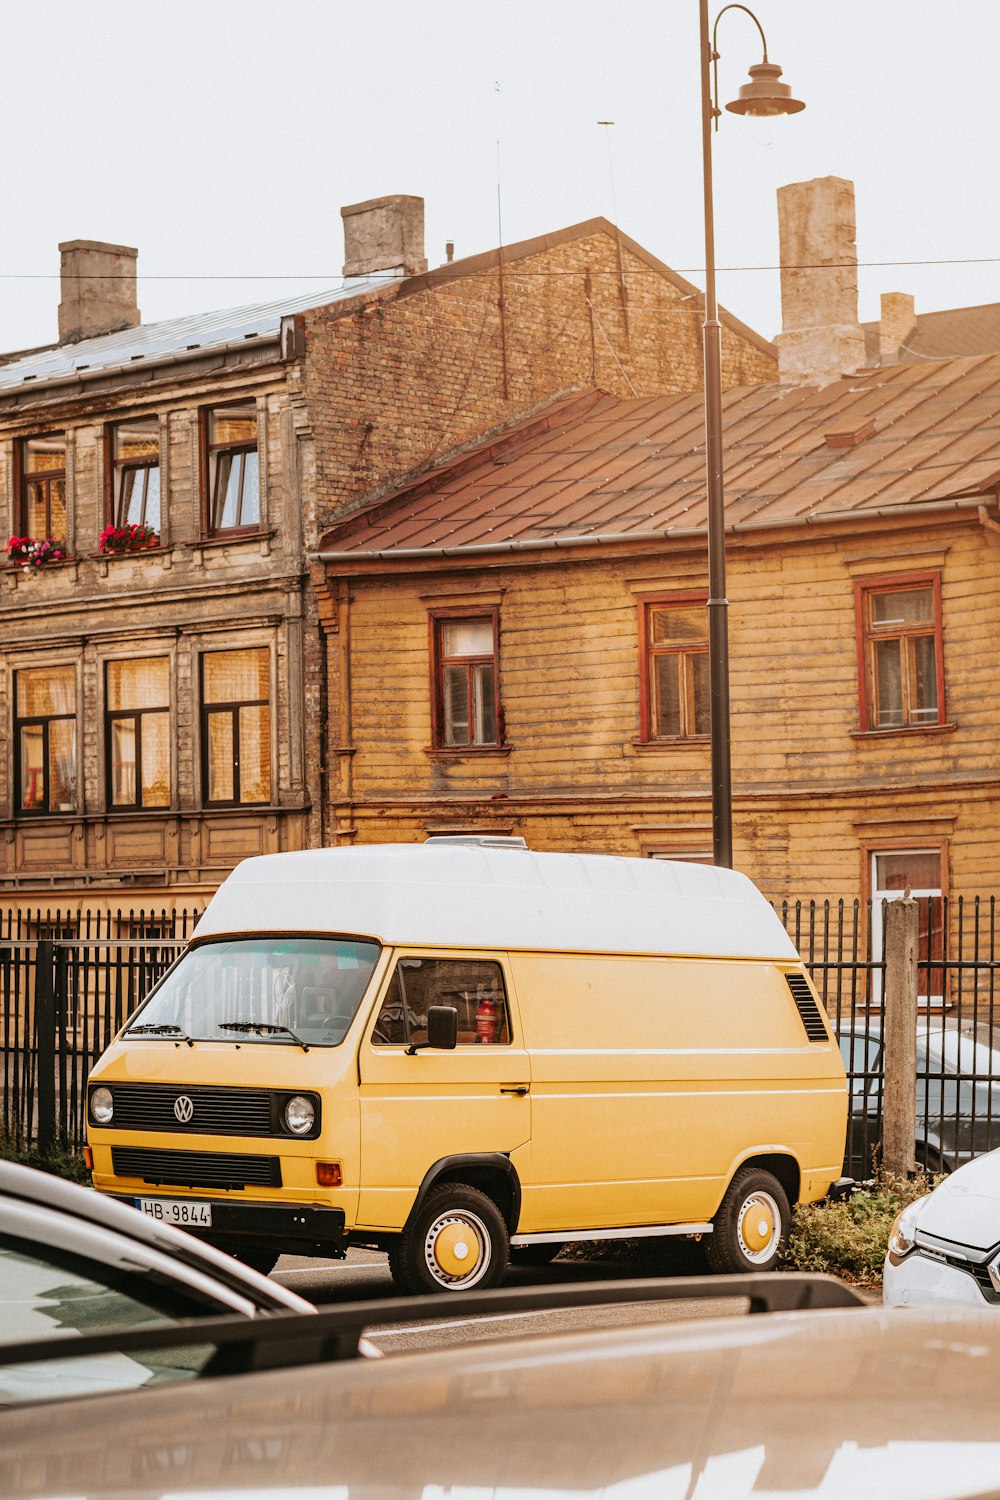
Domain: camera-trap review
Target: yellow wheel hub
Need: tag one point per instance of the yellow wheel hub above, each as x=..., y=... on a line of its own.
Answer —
x=756, y=1225
x=456, y=1249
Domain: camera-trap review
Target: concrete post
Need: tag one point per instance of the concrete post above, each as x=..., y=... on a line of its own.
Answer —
x=899, y=1026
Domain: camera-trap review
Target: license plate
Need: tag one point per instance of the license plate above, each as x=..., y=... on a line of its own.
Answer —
x=176, y=1211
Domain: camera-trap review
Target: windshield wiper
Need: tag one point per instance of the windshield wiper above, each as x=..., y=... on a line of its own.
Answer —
x=151, y=1028
x=263, y=1028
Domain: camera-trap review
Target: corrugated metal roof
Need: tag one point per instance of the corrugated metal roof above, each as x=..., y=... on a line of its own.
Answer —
x=162, y=343
x=607, y=467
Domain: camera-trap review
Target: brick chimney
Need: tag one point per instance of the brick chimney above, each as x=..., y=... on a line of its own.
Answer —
x=821, y=338
x=897, y=321
x=384, y=234
x=97, y=282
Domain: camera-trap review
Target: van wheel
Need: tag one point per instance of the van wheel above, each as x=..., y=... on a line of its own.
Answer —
x=263, y=1261
x=457, y=1241
x=399, y=1267
x=751, y=1226
x=534, y=1255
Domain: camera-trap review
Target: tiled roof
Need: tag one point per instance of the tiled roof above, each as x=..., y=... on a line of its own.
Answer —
x=953, y=333
x=161, y=343
x=597, y=467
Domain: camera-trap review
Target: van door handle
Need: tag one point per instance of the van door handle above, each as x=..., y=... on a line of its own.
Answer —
x=514, y=1088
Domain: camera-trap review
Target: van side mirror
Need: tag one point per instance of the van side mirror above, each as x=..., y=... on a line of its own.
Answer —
x=442, y=1029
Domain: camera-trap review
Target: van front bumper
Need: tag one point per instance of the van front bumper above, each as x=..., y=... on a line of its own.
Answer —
x=292, y=1229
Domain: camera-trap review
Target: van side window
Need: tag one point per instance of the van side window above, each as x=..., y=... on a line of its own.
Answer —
x=473, y=986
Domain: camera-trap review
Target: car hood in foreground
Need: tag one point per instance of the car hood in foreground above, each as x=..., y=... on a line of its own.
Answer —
x=965, y=1207
x=864, y=1403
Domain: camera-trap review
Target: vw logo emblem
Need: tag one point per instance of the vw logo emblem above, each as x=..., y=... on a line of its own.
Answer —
x=183, y=1108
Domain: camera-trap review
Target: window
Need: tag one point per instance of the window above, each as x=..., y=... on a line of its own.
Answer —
x=43, y=487
x=465, y=681
x=233, y=491
x=473, y=986
x=902, y=661
x=135, y=465
x=138, y=732
x=264, y=989
x=45, y=739
x=53, y=1291
x=674, y=698
x=892, y=872
x=236, y=726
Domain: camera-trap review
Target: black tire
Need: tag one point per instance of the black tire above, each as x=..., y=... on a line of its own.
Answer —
x=673, y=1255
x=930, y=1161
x=260, y=1260
x=534, y=1255
x=751, y=1227
x=398, y=1263
x=457, y=1241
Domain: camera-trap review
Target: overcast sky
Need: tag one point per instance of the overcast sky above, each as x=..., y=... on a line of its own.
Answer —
x=221, y=137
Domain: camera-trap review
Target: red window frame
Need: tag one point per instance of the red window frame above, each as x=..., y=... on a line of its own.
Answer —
x=438, y=619
x=648, y=653
x=868, y=633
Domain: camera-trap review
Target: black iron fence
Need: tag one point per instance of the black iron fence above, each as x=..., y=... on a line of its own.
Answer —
x=69, y=981
x=957, y=1083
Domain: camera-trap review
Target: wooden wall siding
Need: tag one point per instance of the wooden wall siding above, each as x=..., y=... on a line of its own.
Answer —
x=809, y=789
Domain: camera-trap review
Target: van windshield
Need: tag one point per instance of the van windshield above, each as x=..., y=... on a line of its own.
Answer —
x=303, y=990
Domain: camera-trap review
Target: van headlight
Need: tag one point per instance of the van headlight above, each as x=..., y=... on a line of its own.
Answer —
x=102, y=1106
x=299, y=1115
x=902, y=1236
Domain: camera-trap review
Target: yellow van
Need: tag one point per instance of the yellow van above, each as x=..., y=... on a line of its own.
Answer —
x=463, y=1053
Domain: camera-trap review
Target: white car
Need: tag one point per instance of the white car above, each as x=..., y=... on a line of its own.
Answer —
x=944, y=1248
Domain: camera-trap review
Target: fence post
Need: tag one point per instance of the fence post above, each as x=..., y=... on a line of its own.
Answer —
x=45, y=1042
x=900, y=1030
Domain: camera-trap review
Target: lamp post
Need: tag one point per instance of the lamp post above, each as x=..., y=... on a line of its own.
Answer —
x=763, y=95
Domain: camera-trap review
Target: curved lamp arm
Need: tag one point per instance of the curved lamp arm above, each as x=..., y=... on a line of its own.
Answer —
x=715, y=52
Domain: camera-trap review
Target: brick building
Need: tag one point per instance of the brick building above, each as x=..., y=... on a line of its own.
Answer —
x=162, y=707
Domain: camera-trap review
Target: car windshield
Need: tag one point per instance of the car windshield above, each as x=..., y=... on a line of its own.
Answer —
x=291, y=991
x=949, y=1051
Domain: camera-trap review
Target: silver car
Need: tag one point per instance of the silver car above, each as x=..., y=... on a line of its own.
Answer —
x=852, y=1402
x=72, y=1262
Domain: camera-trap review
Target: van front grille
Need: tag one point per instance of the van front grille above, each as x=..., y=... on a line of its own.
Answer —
x=807, y=1008
x=215, y=1111
x=196, y=1168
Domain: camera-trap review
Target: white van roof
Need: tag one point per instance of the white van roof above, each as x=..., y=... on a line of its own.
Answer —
x=455, y=896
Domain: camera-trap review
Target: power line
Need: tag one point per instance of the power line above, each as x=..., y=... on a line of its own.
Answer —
x=511, y=269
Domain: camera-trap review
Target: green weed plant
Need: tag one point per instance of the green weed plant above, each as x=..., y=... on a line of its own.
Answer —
x=849, y=1238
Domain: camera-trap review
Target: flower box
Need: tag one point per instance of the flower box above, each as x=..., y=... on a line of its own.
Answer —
x=31, y=552
x=130, y=538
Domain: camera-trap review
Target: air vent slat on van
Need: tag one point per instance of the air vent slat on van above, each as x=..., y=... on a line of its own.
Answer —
x=807, y=1008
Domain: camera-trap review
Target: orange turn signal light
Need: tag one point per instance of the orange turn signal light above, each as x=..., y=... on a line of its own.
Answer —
x=329, y=1174
x=88, y=1158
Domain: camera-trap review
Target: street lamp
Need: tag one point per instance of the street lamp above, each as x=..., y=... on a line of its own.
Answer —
x=763, y=95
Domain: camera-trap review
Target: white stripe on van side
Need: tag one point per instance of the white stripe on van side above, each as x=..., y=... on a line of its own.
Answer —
x=633, y=1232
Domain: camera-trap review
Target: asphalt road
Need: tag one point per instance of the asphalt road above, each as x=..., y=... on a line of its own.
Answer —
x=364, y=1274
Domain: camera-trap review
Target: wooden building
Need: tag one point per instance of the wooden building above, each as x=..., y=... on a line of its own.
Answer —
x=518, y=642
x=163, y=690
